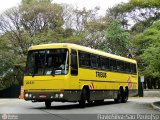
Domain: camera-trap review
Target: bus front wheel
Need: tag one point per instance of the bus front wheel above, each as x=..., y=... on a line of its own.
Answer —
x=48, y=104
x=83, y=98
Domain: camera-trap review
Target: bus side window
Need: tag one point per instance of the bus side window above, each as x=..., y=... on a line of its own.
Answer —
x=122, y=66
x=84, y=59
x=103, y=64
x=111, y=64
x=127, y=67
x=74, y=66
x=94, y=61
x=114, y=65
x=133, y=68
x=118, y=66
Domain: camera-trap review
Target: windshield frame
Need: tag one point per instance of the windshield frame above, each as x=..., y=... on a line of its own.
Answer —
x=28, y=73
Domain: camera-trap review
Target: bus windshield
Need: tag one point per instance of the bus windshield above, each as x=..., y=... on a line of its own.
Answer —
x=47, y=62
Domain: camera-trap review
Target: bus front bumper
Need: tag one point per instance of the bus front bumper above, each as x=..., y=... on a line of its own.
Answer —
x=52, y=96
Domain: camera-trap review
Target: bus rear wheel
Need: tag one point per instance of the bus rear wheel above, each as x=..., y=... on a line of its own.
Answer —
x=83, y=98
x=120, y=96
x=48, y=104
x=125, y=96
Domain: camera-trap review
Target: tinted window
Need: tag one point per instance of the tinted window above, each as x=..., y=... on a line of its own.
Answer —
x=133, y=68
x=46, y=62
x=118, y=66
x=101, y=62
x=122, y=66
x=113, y=64
x=74, y=66
x=104, y=63
x=84, y=59
x=95, y=61
x=127, y=67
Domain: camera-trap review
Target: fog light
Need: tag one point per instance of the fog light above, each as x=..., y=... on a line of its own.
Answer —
x=26, y=95
x=56, y=96
x=61, y=95
x=51, y=96
x=30, y=95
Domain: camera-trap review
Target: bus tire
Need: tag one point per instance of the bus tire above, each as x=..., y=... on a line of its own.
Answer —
x=125, y=96
x=89, y=101
x=48, y=104
x=120, y=95
x=83, y=98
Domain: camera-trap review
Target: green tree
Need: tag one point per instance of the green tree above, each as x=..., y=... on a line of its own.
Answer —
x=145, y=42
x=117, y=39
x=95, y=33
x=141, y=12
x=30, y=23
x=151, y=58
x=146, y=49
x=83, y=23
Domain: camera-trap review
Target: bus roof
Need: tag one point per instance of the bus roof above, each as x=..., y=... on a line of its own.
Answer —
x=82, y=48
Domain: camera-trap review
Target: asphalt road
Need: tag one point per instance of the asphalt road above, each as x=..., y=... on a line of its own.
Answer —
x=26, y=110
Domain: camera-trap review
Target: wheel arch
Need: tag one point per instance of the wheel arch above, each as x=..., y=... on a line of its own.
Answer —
x=86, y=87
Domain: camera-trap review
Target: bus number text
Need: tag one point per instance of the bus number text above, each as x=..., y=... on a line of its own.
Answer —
x=101, y=74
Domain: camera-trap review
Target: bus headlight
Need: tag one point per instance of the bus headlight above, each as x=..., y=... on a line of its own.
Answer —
x=26, y=95
x=61, y=95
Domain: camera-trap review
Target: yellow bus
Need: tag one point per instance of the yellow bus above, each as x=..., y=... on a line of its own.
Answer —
x=67, y=72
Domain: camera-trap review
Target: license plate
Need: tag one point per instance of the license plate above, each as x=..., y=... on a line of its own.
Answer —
x=42, y=96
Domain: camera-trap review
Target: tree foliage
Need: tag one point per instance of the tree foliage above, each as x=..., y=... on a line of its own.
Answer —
x=117, y=39
x=142, y=12
x=33, y=22
x=147, y=50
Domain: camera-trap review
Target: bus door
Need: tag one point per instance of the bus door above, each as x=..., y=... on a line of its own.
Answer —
x=74, y=83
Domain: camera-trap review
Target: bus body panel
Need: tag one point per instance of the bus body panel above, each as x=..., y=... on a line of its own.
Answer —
x=111, y=82
x=45, y=82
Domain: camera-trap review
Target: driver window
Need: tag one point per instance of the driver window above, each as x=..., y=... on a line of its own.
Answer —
x=74, y=66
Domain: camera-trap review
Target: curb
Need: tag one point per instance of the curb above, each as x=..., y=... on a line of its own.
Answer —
x=155, y=106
